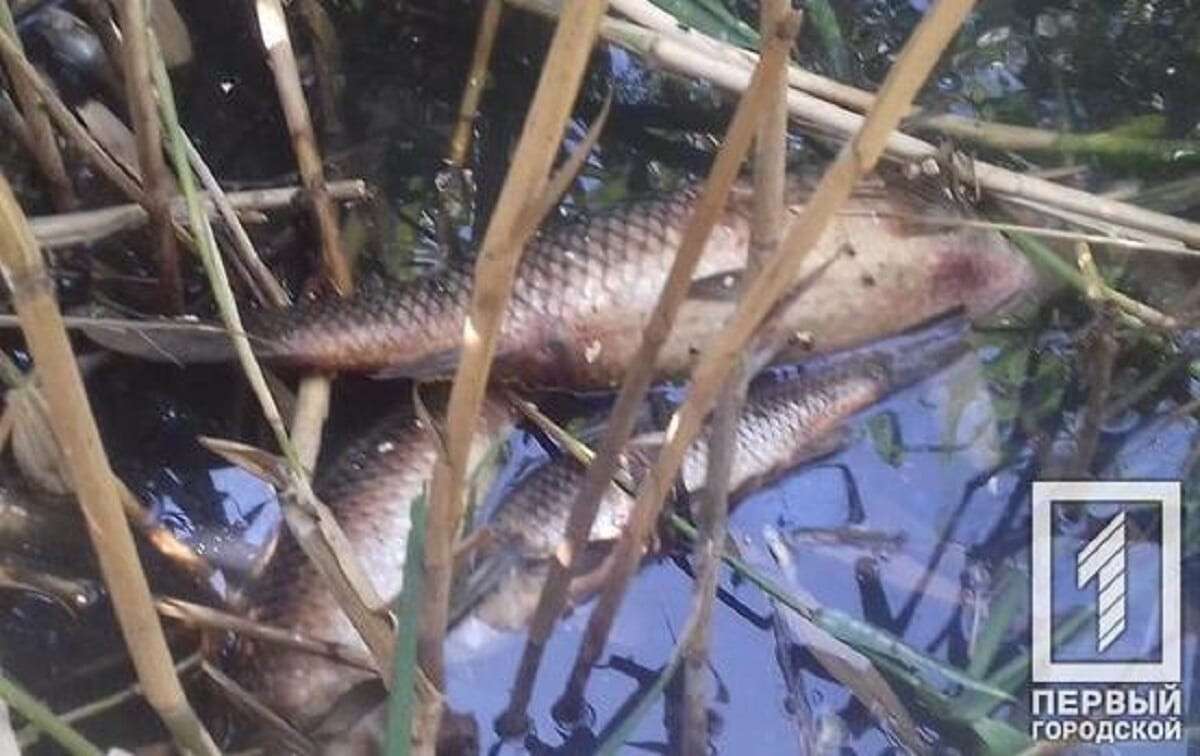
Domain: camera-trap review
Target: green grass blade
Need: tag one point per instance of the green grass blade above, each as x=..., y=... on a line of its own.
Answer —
x=1003, y=610
x=404, y=676
x=616, y=739
x=46, y=720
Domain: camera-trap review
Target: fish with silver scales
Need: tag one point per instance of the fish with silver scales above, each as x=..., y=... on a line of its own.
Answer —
x=789, y=418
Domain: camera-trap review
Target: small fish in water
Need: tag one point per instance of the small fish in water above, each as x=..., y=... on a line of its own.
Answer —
x=584, y=292
x=783, y=424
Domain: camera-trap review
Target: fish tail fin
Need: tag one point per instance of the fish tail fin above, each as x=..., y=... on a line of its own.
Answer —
x=174, y=341
x=924, y=350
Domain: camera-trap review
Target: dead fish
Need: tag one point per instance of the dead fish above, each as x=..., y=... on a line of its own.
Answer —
x=585, y=290
x=783, y=424
x=370, y=488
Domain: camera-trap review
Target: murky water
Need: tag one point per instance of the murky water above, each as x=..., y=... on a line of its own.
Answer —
x=916, y=527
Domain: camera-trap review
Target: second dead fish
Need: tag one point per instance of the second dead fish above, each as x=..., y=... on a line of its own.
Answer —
x=783, y=424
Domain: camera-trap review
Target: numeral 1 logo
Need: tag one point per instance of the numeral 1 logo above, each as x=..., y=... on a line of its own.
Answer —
x=1103, y=560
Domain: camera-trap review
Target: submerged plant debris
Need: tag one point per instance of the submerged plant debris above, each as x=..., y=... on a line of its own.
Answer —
x=878, y=583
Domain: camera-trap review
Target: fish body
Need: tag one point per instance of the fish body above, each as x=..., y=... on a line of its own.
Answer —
x=370, y=488
x=584, y=292
x=783, y=423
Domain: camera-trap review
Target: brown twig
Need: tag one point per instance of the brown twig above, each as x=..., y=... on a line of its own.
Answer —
x=198, y=615
x=294, y=740
x=460, y=140
x=157, y=183
x=76, y=431
x=856, y=158
x=621, y=421
x=273, y=28
x=260, y=275
x=85, y=226
x=41, y=133
x=562, y=73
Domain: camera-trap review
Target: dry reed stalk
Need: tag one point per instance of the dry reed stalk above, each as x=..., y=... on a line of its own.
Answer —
x=20, y=70
x=460, y=140
x=13, y=122
x=724, y=71
x=93, y=480
x=558, y=85
x=84, y=226
x=327, y=62
x=856, y=158
x=624, y=413
x=288, y=736
x=768, y=221
x=273, y=28
x=312, y=409
x=41, y=133
x=313, y=405
x=262, y=279
x=157, y=183
x=200, y=616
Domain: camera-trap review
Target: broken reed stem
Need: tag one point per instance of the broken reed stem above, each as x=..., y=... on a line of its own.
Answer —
x=558, y=85
x=731, y=71
x=75, y=429
x=198, y=615
x=778, y=275
x=708, y=210
x=273, y=28
x=85, y=226
x=316, y=531
x=262, y=279
x=157, y=183
x=41, y=133
x=464, y=126
x=20, y=70
x=312, y=409
x=768, y=220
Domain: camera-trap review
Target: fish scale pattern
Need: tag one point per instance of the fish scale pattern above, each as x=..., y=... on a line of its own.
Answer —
x=580, y=269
